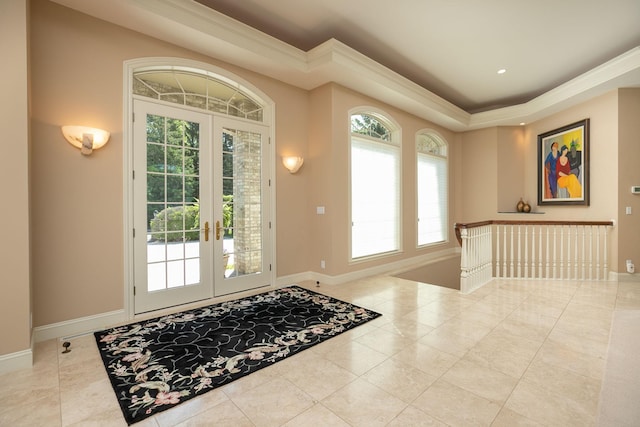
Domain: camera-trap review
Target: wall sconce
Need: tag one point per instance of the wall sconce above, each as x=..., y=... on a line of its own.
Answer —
x=292, y=163
x=85, y=138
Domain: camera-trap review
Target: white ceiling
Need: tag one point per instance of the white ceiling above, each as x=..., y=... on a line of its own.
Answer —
x=435, y=58
x=454, y=48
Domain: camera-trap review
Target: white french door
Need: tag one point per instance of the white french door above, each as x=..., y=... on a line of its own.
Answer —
x=199, y=206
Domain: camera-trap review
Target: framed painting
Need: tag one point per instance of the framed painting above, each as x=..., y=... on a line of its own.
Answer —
x=563, y=165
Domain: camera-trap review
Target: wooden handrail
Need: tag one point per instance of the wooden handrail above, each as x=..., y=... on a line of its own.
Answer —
x=458, y=226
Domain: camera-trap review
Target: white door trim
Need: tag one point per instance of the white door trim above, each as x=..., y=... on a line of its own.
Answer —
x=129, y=67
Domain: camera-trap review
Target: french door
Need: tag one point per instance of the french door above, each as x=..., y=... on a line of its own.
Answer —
x=200, y=206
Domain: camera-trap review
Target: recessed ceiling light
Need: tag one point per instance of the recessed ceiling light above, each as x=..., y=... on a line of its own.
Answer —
x=502, y=70
x=522, y=123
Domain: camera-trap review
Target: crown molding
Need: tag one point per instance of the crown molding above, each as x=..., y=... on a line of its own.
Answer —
x=201, y=29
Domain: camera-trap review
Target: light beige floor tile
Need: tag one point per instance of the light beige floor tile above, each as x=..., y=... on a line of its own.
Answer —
x=360, y=403
x=579, y=388
x=508, y=418
x=455, y=406
x=316, y=376
x=385, y=342
x=481, y=380
x=40, y=412
x=628, y=296
x=547, y=407
x=528, y=324
x=475, y=316
x=433, y=318
x=464, y=328
x=407, y=328
x=504, y=352
x=579, y=341
x=449, y=342
x=317, y=415
x=428, y=359
x=82, y=403
x=224, y=414
x=413, y=417
x=356, y=358
x=399, y=379
x=266, y=407
x=562, y=355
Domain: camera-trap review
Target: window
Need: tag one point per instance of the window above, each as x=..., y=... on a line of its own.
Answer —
x=375, y=185
x=194, y=89
x=432, y=188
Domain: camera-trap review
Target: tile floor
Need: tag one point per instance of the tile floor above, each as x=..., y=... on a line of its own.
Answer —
x=510, y=354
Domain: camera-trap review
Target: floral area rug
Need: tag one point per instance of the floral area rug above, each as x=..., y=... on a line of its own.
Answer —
x=158, y=363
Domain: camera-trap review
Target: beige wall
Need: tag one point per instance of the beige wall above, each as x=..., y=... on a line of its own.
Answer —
x=15, y=303
x=329, y=146
x=628, y=172
x=499, y=167
x=479, y=164
x=77, y=78
x=77, y=67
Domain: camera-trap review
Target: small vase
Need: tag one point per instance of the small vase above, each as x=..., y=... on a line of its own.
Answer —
x=520, y=205
x=526, y=208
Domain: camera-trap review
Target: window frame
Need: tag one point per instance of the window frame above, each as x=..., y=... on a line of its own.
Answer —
x=394, y=140
x=443, y=150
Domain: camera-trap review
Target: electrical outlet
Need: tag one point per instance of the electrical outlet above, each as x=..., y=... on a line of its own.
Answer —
x=322, y=264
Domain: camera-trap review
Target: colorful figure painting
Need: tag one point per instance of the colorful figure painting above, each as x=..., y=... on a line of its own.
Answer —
x=563, y=165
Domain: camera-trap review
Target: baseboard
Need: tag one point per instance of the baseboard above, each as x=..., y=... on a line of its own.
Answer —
x=390, y=268
x=78, y=326
x=16, y=361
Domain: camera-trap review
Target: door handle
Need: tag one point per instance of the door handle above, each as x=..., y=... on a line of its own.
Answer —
x=206, y=231
x=218, y=228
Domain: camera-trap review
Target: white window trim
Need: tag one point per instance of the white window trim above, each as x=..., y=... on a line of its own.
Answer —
x=439, y=136
x=396, y=140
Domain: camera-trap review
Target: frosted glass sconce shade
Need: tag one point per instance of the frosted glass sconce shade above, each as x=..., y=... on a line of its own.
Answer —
x=85, y=138
x=292, y=163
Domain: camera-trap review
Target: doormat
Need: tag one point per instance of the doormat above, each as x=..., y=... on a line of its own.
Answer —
x=156, y=364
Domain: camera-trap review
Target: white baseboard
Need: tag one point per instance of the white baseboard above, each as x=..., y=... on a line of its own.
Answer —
x=388, y=268
x=78, y=326
x=16, y=361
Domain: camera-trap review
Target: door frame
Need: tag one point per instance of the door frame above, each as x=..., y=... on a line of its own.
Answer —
x=131, y=66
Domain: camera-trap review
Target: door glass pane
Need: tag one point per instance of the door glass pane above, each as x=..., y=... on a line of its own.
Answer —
x=173, y=219
x=242, y=202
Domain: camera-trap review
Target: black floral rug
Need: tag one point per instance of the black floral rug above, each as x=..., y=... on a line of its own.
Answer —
x=156, y=364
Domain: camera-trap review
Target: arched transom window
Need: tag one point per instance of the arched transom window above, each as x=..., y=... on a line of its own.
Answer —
x=194, y=89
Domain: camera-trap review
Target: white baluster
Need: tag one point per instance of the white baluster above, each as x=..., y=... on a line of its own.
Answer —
x=511, y=269
x=540, y=275
x=546, y=276
x=526, y=251
x=576, y=256
x=590, y=253
x=497, y=266
x=597, y=272
x=606, y=257
x=555, y=259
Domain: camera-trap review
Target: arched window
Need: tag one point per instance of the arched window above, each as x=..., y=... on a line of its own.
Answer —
x=375, y=185
x=432, y=197
x=198, y=90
